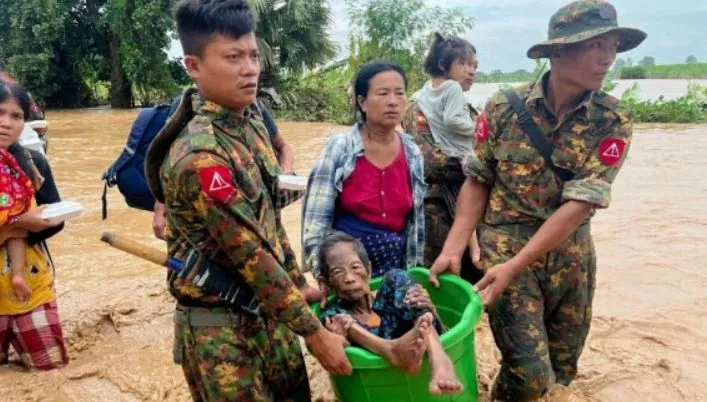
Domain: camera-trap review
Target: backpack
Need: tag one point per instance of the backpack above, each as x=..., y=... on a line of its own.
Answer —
x=128, y=171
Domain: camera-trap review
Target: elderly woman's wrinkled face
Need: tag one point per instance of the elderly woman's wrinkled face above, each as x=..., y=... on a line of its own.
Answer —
x=12, y=121
x=348, y=277
x=385, y=102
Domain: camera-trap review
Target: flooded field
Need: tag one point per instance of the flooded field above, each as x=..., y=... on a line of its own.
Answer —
x=649, y=336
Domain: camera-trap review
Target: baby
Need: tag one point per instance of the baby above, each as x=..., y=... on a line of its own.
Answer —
x=399, y=323
x=16, y=196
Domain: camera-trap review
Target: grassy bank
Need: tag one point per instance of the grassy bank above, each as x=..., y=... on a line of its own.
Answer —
x=692, y=71
x=690, y=108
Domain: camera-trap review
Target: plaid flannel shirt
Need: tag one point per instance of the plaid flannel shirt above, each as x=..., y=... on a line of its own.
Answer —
x=334, y=165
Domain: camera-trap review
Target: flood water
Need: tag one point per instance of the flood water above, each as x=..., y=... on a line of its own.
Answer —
x=648, y=340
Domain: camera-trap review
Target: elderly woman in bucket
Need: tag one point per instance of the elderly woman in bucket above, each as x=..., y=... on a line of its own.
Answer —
x=390, y=324
x=368, y=182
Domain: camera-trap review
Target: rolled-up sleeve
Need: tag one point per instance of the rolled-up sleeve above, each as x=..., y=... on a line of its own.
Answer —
x=592, y=182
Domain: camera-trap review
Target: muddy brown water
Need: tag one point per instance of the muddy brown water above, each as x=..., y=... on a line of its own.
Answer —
x=648, y=340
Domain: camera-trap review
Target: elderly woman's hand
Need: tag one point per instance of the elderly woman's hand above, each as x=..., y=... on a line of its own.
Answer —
x=419, y=297
x=339, y=324
x=32, y=220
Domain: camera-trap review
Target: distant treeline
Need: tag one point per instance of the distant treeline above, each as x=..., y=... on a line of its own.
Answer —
x=689, y=71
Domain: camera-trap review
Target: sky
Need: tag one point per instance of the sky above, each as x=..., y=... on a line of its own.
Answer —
x=505, y=29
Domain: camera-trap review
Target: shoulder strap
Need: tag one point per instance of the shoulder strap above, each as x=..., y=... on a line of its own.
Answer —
x=525, y=120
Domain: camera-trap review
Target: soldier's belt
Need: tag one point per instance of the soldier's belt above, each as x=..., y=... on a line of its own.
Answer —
x=205, y=317
x=206, y=274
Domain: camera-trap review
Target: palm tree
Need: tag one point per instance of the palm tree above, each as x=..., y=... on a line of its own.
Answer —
x=292, y=36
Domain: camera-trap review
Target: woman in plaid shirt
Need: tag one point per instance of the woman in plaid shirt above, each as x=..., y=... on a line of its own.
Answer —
x=369, y=182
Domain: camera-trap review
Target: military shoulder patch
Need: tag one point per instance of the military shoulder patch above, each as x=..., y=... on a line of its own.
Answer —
x=217, y=182
x=482, y=129
x=611, y=150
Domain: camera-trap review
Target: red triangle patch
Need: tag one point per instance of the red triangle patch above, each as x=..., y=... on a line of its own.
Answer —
x=482, y=129
x=217, y=182
x=611, y=150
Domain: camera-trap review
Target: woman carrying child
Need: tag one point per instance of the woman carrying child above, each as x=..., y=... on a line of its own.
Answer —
x=442, y=123
x=29, y=319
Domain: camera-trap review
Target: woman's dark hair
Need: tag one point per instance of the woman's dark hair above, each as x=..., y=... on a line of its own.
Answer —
x=443, y=52
x=18, y=93
x=20, y=153
x=365, y=74
x=333, y=238
x=199, y=20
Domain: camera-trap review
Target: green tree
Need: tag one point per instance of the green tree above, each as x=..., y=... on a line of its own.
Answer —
x=691, y=59
x=647, y=62
x=619, y=64
x=636, y=72
x=292, y=36
x=399, y=31
x=60, y=48
x=138, y=34
x=30, y=30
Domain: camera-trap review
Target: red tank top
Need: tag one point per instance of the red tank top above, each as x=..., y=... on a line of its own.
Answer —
x=378, y=196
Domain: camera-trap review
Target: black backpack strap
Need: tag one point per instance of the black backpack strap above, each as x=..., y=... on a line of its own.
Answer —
x=537, y=137
x=104, y=202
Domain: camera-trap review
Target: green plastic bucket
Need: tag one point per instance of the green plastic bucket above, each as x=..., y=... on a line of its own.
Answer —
x=375, y=380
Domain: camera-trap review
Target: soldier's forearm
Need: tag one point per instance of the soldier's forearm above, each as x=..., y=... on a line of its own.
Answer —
x=554, y=231
x=287, y=158
x=470, y=207
x=279, y=296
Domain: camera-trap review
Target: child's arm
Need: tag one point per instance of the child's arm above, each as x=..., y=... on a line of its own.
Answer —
x=455, y=115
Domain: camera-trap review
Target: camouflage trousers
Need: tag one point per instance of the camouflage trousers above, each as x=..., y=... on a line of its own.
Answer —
x=438, y=223
x=229, y=356
x=541, y=321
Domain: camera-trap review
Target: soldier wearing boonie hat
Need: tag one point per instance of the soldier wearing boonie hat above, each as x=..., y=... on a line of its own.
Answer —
x=532, y=203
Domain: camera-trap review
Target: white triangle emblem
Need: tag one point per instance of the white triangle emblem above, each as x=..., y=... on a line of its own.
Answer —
x=218, y=183
x=612, y=151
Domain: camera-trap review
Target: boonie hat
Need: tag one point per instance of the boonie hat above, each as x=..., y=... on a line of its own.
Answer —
x=582, y=20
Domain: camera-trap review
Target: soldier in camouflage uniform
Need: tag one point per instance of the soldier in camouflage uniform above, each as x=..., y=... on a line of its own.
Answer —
x=214, y=169
x=533, y=227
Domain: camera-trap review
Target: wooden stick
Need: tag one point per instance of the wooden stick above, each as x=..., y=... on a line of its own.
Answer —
x=139, y=250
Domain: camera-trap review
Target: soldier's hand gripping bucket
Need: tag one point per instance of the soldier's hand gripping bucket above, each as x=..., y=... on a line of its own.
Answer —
x=374, y=379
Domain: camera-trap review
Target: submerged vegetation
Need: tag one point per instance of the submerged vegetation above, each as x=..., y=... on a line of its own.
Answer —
x=690, y=108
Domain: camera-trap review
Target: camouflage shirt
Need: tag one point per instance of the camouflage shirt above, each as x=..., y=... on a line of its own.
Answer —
x=591, y=141
x=219, y=184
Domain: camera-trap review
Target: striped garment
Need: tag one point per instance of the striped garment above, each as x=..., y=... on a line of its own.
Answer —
x=334, y=165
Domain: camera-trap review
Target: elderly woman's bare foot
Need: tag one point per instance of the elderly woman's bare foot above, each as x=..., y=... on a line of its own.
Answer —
x=444, y=379
x=406, y=352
